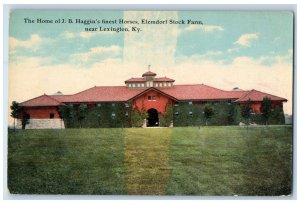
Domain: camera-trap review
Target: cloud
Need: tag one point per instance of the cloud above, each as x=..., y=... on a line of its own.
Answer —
x=84, y=34
x=150, y=46
x=205, y=28
x=277, y=59
x=87, y=35
x=69, y=35
x=234, y=49
x=245, y=40
x=100, y=51
x=34, y=42
x=31, y=77
x=198, y=58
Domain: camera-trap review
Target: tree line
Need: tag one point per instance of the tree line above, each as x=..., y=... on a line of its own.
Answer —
x=120, y=114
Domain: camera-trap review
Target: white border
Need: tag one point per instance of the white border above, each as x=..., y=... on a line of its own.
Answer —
x=113, y=5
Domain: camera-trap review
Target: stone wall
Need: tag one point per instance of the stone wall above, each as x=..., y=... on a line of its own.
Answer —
x=42, y=124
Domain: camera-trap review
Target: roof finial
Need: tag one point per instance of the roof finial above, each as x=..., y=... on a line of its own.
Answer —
x=149, y=67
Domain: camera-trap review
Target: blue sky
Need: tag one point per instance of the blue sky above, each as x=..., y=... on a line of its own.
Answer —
x=273, y=31
x=271, y=35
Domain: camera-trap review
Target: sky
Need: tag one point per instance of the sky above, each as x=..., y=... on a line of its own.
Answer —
x=249, y=50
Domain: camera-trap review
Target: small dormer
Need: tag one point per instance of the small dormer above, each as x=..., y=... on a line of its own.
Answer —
x=149, y=79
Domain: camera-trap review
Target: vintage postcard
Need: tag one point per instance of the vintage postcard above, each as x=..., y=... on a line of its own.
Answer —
x=150, y=102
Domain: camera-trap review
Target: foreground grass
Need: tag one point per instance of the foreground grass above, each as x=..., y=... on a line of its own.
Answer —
x=146, y=161
x=231, y=161
x=78, y=161
x=177, y=161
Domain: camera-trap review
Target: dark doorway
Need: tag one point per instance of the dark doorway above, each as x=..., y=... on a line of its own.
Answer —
x=152, y=117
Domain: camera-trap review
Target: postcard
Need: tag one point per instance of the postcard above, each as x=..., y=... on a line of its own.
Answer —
x=150, y=102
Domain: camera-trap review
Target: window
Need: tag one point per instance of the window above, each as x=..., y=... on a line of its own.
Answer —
x=51, y=115
x=142, y=85
x=99, y=105
x=176, y=104
x=151, y=98
x=190, y=103
x=129, y=85
x=113, y=115
x=126, y=105
x=126, y=114
x=138, y=85
x=133, y=85
x=176, y=113
x=113, y=105
x=191, y=113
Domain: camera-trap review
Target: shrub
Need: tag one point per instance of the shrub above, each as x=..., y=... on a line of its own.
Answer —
x=136, y=118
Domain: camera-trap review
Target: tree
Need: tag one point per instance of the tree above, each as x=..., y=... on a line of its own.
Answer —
x=208, y=113
x=234, y=114
x=66, y=112
x=81, y=113
x=144, y=113
x=246, y=111
x=15, y=109
x=168, y=116
x=136, y=119
x=25, y=120
x=266, y=109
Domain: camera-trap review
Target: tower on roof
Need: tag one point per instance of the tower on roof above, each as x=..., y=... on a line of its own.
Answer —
x=149, y=74
x=149, y=77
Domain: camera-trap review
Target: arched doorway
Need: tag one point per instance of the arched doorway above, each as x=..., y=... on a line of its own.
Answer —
x=152, y=119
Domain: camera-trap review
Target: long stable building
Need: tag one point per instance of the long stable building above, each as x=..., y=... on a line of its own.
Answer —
x=151, y=92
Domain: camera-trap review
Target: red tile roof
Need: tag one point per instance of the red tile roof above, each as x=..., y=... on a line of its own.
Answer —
x=135, y=80
x=122, y=93
x=43, y=100
x=103, y=94
x=163, y=79
x=200, y=92
x=62, y=98
x=255, y=95
x=149, y=73
x=157, y=79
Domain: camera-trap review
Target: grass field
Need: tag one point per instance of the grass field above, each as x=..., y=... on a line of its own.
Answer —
x=158, y=161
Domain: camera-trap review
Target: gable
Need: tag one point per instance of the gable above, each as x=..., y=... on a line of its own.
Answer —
x=43, y=100
x=255, y=95
x=153, y=90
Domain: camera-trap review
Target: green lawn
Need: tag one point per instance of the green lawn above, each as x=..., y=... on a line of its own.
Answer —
x=158, y=161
